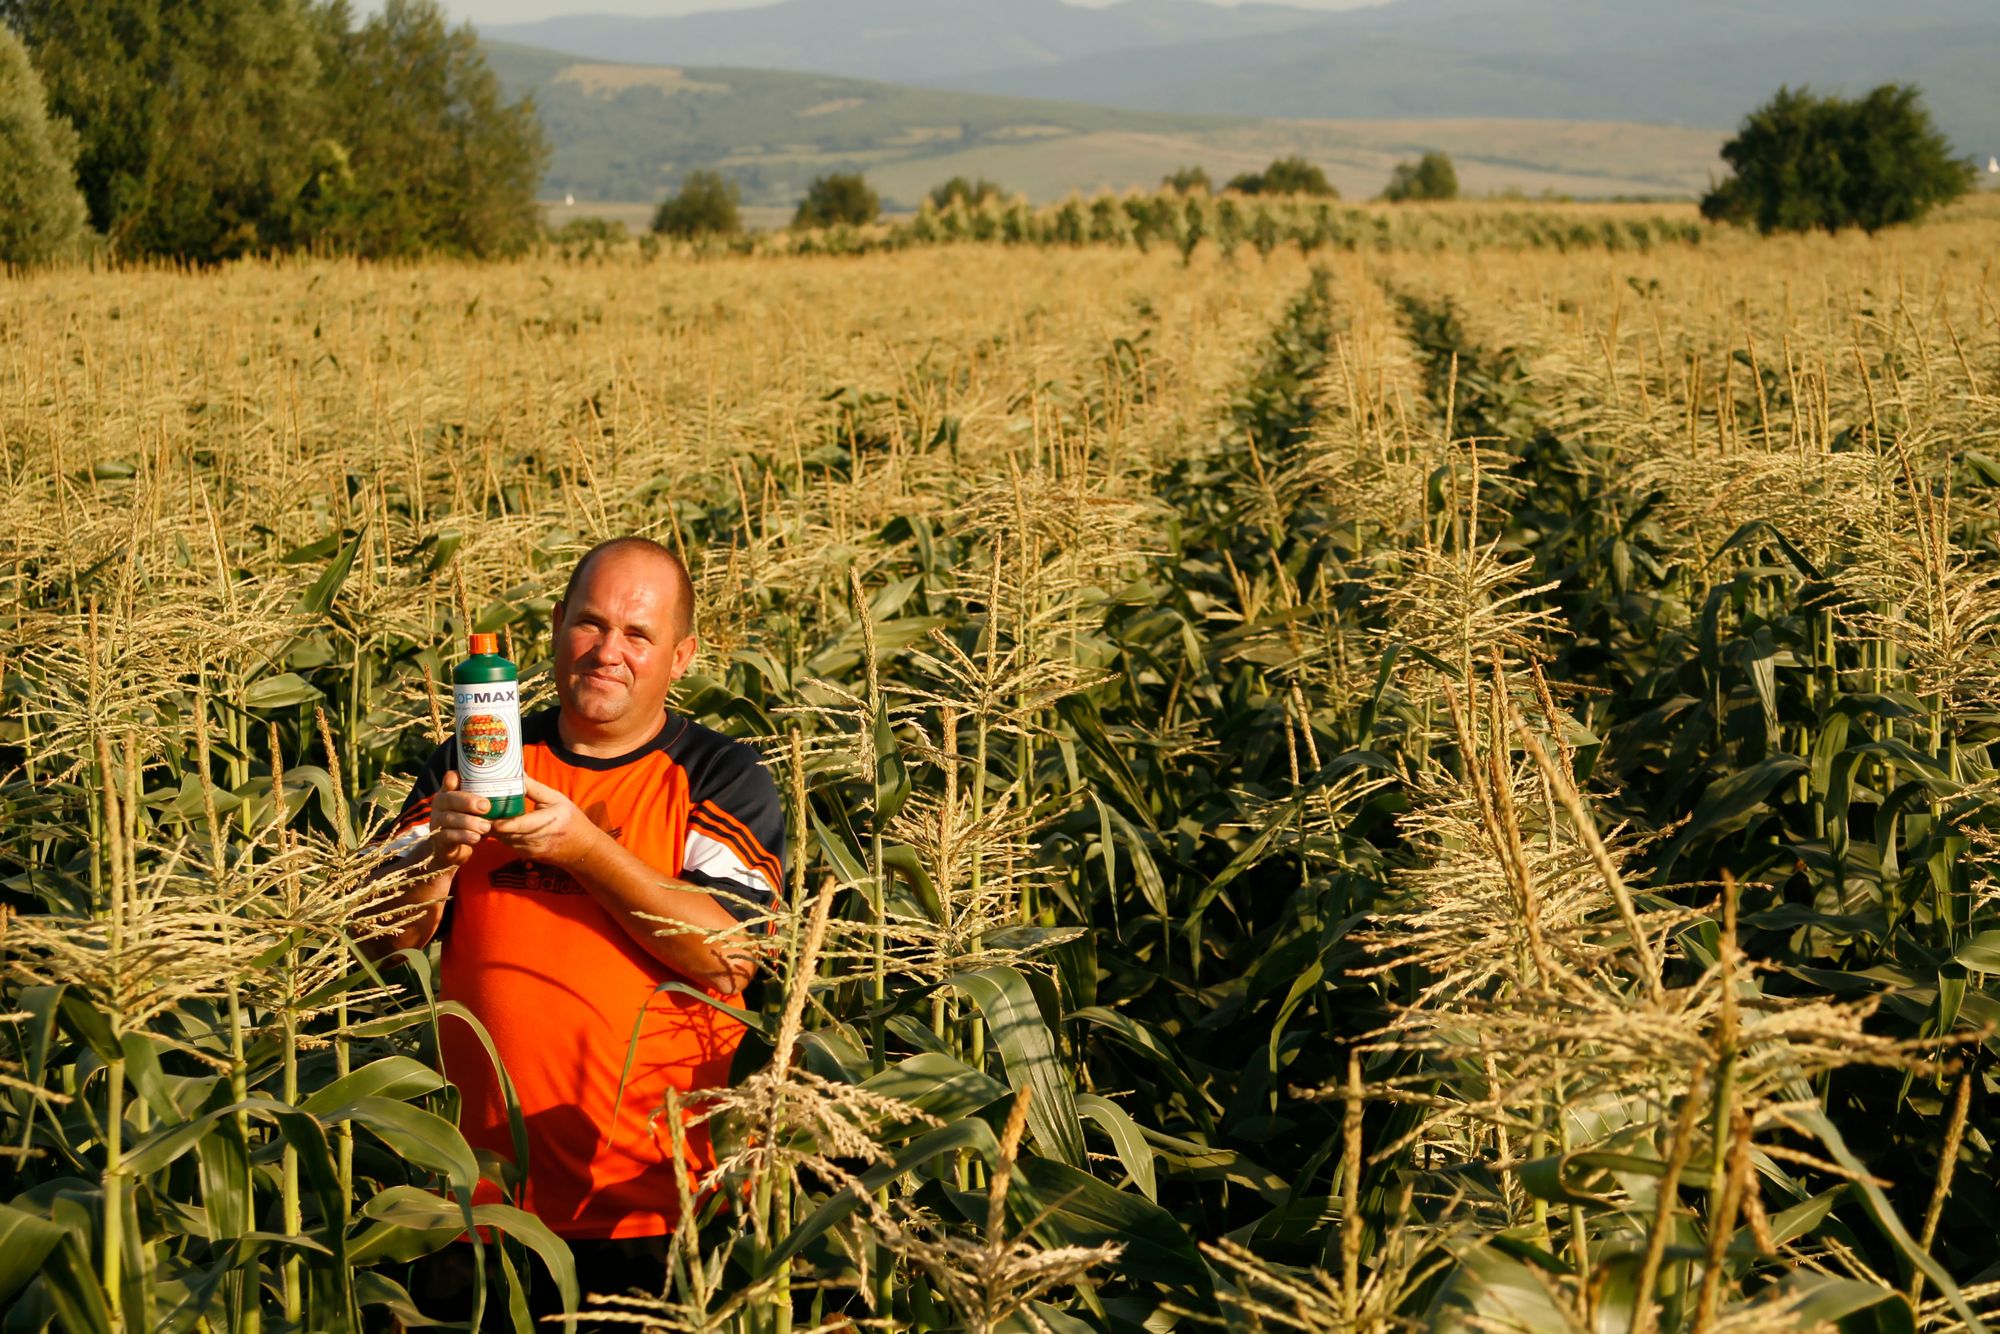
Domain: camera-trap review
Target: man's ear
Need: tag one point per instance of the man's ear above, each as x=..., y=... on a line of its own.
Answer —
x=684, y=656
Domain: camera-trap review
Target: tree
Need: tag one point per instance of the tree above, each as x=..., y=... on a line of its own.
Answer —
x=419, y=151
x=707, y=205
x=193, y=116
x=41, y=211
x=213, y=128
x=972, y=192
x=1187, y=181
x=840, y=197
x=1802, y=162
x=1286, y=176
x=1428, y=178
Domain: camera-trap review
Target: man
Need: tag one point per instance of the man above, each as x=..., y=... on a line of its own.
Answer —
x=560, y=925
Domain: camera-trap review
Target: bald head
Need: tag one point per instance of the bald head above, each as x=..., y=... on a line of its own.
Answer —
x=641, y=551
x=623, y=635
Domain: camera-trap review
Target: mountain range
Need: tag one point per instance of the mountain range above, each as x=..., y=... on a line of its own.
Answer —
x=904, y=41
x=1701, y=63
x=631, y=132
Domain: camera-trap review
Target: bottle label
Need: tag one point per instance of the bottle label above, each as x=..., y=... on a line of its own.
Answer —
x=489, y=738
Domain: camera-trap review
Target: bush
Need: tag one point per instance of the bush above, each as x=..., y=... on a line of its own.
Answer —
x=41, y=212
x=707, y=205
x=841, y=197
x=1286, y=176
x=1187, y=181
x=1803, y=162
x=1430, y=177
x=973, y=193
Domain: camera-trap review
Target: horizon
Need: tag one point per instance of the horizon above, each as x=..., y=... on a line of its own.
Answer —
x=506, y=12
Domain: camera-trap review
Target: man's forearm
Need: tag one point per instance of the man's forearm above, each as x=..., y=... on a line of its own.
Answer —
x=419, y=908
x=635, y=894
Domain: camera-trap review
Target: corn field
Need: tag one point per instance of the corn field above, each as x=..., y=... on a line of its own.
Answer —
x=1393, y=788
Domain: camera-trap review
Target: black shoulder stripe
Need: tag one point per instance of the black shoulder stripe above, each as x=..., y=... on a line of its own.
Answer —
x=737, y=839
x=731, y=793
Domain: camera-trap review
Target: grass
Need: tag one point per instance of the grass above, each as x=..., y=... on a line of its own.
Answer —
x=1431, y=785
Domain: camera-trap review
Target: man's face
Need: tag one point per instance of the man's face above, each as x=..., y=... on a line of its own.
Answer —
x=617, y=649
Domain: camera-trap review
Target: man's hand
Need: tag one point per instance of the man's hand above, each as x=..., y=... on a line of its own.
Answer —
x=554, y=832
x=646, y=903
x=458, y=822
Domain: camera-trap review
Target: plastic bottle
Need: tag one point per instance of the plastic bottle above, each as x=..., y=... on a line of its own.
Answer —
x=486, y=696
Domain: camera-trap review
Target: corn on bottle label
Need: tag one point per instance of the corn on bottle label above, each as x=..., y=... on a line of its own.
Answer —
x=489, y=738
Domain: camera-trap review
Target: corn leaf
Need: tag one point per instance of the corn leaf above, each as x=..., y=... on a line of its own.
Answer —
x=1028, y=1050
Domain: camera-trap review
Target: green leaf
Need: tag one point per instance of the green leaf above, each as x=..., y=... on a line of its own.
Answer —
x=1790, y=1224
x=405, y=1222
x=1207, y=1162
x=1142, y=1040
x=901, y=860
x=1981, y=954
x=1831, y=1300
x=70, y=1280
x=283, y=691
x=1047, y=1320
x=1729, y=804
x=327, y=587
x=892, y=778
x=1084, y=723
x=1126, y=1137
x=226, y=1177
x=88, y=1024
x=946, y=1088
x=1277, y=821
x=447, y=544
x=1490, y=1289
x=847, y=863
x=25, y=1241
x=423, y=1138
x=1144, y=869
x=1076, y=1209
x=531, y=1232
x=1551, y=1179
x=517, y=1128
x=397, y=1077
x=1027, y=1048
x=1884, y=1213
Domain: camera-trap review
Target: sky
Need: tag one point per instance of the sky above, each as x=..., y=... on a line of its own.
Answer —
x=528, y=11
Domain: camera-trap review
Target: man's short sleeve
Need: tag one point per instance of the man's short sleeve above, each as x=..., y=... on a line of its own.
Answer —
x=736, y=832
x=413, y=824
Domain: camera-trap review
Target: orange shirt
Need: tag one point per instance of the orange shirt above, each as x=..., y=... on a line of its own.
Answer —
x=572, y=1001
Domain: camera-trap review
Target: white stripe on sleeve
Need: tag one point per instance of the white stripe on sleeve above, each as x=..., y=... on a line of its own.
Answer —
x=717, y=861
x=403, y=844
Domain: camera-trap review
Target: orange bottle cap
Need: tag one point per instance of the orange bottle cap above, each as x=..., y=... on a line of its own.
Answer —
x=485, y=644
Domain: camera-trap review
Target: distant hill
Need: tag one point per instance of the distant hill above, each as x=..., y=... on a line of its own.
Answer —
x=902, y=41
x=1686, y=62
x=631, y=132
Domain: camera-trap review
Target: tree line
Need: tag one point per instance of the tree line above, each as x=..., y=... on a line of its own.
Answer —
x=203, y=130
x=709, y=204
x=207, y=129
